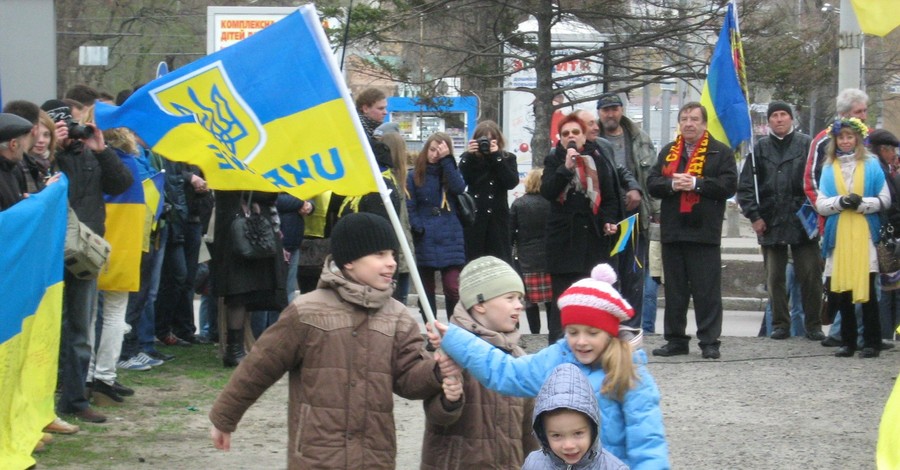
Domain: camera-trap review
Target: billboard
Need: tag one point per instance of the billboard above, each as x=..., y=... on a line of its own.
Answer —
x=228, y=25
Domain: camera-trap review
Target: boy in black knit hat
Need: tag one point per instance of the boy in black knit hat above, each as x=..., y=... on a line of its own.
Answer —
x=347, y=346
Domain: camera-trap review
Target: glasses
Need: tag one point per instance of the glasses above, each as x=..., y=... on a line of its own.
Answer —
x=572, y=132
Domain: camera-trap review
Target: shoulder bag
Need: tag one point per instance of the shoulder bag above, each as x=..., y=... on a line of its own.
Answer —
x=252, y=234
x=465, y=209
x=84, y=253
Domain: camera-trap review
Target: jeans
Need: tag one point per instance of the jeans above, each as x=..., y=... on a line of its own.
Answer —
x=648, y=309
x=293, y=286
x=401, y=290
x=147, y=324
x=209, y=317
x=889, y=312
x=79, y=301
x=175, y=304
x=260, y=320
x=137, y=301
x=103, y=361
x=450, y=283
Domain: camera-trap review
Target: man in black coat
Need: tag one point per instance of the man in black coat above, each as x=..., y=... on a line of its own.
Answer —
x=93, y=169
x=15, y=138
x=693, y=177
x=771, y=203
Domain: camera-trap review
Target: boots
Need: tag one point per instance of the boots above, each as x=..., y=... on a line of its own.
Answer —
x=234, y=348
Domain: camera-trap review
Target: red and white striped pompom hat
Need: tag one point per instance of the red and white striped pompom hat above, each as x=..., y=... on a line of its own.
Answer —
x=594, y=302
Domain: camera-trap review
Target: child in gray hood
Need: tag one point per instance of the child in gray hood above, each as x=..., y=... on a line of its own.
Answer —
x=567, y=423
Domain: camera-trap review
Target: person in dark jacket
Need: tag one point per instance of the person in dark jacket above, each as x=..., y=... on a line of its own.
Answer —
x=776, y=169
x=693, y=176
x=567, y=423
x=437, y=232
x=580, y=184
x=885, y=145
x=489, y=175
x=291, y=211
x=93, y=169
x=527, y=228
x=15, y=139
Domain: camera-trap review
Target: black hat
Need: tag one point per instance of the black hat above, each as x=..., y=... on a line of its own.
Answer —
x=12, y=126
x=779, y=106
x=57, y=109
x=883, y=137
x=361, y=234
x=609, y=99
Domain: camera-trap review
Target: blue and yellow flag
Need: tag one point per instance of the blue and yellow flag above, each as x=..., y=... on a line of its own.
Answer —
x=626, y=233
x=887, y=453
x=270, y=113
x=154, y=187
x=877, y=17
x=724, y=93
x=126, y=216
x=31, y=285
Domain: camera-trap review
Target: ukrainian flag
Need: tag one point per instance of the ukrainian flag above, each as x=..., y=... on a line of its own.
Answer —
x=31, y=274
x=270, y=113
x=877, y=17
x=126, y=216
x=724, y=95
x=153, y=200
x=626, y=231
x=887, y=454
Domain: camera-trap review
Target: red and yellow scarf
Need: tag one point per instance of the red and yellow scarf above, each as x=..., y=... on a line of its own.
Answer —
x=695, y=165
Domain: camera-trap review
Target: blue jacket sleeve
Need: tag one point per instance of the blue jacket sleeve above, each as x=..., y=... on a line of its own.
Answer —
x=645, y=435
x=516, y=376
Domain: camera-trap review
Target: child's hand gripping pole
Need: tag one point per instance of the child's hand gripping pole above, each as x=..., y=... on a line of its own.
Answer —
x=449, y=368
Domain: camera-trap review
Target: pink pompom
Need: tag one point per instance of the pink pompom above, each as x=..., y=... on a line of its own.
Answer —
x=604, y=272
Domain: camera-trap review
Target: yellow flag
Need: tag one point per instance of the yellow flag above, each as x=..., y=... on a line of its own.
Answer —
x=887, y=455
x=877, y=17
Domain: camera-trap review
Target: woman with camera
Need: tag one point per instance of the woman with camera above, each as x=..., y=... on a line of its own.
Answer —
x=489, y=172
x=584, y=208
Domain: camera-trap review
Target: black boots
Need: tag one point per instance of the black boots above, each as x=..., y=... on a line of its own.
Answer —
x=234, y=348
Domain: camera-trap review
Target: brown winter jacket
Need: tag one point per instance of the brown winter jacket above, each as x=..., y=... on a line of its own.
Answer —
x=347, y=348
x=490, y=431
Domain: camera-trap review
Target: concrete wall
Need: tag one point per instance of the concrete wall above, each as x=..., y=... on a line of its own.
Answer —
x=28, y=52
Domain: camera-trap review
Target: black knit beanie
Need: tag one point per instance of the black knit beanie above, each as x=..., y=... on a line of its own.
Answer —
x=361, y=234
x=779, y=106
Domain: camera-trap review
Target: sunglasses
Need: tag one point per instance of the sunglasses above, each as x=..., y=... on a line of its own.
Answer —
x=572, y=132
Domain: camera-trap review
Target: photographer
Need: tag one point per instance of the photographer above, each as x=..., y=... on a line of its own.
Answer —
x=92, y=169
x=489, y=171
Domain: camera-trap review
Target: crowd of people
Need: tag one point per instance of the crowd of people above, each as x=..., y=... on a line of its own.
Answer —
x=330, y=298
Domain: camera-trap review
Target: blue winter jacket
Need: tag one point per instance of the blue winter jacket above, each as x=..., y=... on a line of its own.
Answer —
x=436, y=229
x=632, y=430
x=567, y=388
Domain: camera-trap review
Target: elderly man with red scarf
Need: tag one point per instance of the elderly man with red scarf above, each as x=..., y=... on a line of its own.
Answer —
x=693, y=177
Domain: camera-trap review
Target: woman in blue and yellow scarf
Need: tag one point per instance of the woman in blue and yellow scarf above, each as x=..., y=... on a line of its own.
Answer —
x=851, y=193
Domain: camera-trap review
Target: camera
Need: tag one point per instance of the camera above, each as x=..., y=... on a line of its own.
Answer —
x=484, y=145
x=76, y=130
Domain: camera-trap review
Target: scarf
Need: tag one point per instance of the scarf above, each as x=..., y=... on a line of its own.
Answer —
x=695, y=165
x=368, y=124
x=508, y=342
x=586, y=181
x=850, y=271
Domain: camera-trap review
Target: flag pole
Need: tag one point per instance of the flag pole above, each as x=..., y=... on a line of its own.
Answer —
x=743, y=82
x=376, y=172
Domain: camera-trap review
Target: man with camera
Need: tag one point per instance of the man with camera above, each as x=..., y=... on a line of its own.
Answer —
x=92, y=169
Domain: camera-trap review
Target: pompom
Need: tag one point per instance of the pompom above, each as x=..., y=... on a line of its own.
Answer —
x=604, y=272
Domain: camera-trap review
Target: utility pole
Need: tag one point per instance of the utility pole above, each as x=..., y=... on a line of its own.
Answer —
x=850, y=48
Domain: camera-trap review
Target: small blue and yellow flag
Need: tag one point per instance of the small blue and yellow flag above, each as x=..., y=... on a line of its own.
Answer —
x=31, y=285
x=626, y=233
x=126, y=216
x=153, y=199
x=724, y=92
x=270, y=113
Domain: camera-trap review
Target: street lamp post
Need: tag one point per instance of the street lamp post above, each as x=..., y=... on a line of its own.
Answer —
x=850, y=47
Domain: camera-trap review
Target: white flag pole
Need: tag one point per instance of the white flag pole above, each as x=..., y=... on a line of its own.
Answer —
x=309, y=13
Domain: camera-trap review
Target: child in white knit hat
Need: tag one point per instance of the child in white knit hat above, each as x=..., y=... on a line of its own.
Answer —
x=494, y=430
x=590, y=310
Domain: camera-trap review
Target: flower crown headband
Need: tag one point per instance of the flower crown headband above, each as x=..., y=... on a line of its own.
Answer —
x=855, y=124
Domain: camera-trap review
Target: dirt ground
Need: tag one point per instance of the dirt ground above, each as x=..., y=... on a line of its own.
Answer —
x=766, y=405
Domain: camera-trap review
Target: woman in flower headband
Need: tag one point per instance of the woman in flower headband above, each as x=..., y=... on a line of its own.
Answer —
x=851, y=193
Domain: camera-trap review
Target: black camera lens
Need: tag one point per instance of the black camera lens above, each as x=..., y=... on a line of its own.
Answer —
x=484, y=145
x=79, y=131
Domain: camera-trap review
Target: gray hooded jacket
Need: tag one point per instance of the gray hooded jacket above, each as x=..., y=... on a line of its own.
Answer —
x=567, y=387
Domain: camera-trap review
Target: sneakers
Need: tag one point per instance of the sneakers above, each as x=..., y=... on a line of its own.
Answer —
x=671, y=349
x=159, y=355
x=60, y=426
x=710, y=352
x=172, y=340
x=830, y=342
x=815, y=336
x=780, y=333
x=89, y=416
x=133, y=363
x=143, y=358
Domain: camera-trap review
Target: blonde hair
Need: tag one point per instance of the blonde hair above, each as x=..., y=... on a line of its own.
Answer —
x=122, y=139
x=399, y=154
x=621, y=373
x=533, y=181
x=859, y=153
x=45, y=120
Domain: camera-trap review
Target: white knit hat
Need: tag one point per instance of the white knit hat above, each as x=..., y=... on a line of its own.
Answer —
x=485, y=278
x=594, y=302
